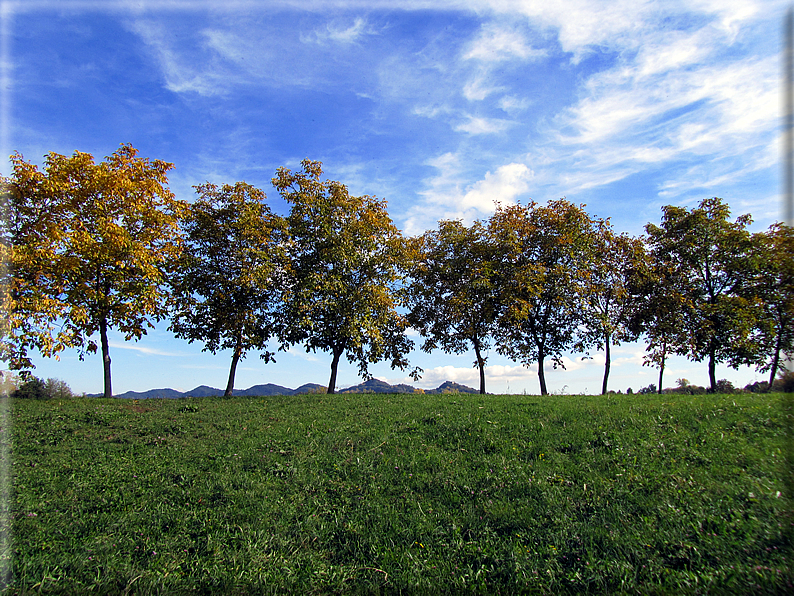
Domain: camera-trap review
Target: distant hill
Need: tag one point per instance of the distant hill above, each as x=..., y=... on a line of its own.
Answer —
x=376, y=386
x=450, y=387
x=371, y=386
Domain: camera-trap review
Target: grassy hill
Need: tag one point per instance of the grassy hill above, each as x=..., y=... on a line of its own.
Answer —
x=378, y=493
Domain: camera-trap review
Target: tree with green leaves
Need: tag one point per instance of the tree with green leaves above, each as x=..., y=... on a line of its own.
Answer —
x=92, y=248
x=772, y=289
x=658, y=311
x=344, y=254
x=451, y=294
x=608, y=305
x=226, y=288
x=543, y=265
x=711, y=257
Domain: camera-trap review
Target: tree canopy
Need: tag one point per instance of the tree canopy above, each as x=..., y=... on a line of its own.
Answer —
x=451, y=294
x=710, y=255
x=543, y=264
x=608, y=305
x=87, y=247
x=92, y=247
x=233, y=264
x=344, y=253
x=772, y=290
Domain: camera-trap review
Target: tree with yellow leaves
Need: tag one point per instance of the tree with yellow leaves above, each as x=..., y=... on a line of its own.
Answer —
x=91, y=247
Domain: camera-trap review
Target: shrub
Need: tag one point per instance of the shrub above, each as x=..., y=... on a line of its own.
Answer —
x=725, y=386
x=57, y=389
x=35, y=388
x=757, y=387
x=649, y=389
x=32, y=388
x=785, y=382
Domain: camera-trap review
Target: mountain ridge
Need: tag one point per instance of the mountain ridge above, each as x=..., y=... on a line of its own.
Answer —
x=370, y=386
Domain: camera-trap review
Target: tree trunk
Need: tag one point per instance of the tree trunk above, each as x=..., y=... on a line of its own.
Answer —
x=480, y=365
x=103, y=335
x=541, y=373
x=661, y=367
x=235, y=359
x=713, y=369
x=775, y=362
x=606, y=365
x=334, y=365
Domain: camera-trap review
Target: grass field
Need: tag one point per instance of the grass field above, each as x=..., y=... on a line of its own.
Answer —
x=392, y=494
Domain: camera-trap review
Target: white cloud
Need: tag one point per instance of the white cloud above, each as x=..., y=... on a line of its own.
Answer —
x=497, y=43
x=301, y=353
x=179, y=76
x=478, y=126
x=143, y=349
x=512, y=104
x=503, y=186
x=478, y=88
x=336, y=33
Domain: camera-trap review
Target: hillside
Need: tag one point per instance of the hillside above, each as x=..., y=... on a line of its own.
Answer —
x=371, y=386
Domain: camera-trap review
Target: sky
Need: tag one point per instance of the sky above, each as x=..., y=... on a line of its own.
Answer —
x=440, y=107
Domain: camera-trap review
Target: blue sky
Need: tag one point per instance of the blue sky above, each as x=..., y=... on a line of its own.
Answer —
x=439, y=107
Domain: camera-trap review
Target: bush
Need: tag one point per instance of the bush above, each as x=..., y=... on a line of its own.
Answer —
x=785, y=383
x=649, y=389
x=32, y=388
x=725, y=386
x=35, y=388
x=57, y=389
x=757, y=387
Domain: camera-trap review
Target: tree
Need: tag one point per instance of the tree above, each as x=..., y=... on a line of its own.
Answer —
x=226, y=286
x=344, y=254
x=710, y=255
x=452, y=297
x=772, y=288
x=93, y=245
x=658, y=311
x=542, y=268
x=609, y=304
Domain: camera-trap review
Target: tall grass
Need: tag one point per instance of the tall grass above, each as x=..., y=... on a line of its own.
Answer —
x=395, y=494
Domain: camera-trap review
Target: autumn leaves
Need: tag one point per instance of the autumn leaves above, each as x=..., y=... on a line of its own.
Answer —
x=99, y=246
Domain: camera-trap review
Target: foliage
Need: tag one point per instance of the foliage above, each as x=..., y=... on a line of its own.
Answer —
x=772, y=288
x=388, y=494
x=542, y=269
x=344, y=255
x=35, y=388
x=31, y=388
x=92, y=248
x=658, y=312
x=609, y=305
x=710, y=258
x=226, y=288
x=452, y=296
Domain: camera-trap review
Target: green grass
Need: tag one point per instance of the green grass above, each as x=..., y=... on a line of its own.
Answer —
x=387, y=494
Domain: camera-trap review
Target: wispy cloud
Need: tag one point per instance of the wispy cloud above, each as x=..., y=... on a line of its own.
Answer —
x=145, y=350
x=497, y=43
x=338, y=33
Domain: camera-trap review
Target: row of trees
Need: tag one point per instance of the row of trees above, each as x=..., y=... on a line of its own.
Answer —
x=99, y=246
